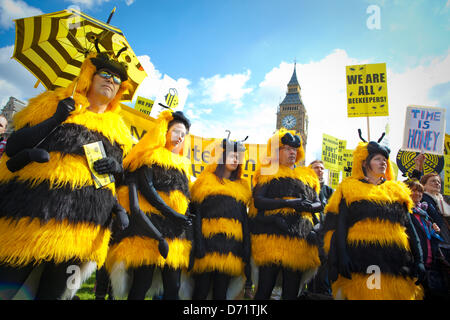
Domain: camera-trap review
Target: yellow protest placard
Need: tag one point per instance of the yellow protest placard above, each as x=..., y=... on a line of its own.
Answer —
x=347, y=162
x=367, y=90
x=334, y=178
x=143, y=105
x=447, y=175
x=95, y=151
x=447, y=145
x=331, y=152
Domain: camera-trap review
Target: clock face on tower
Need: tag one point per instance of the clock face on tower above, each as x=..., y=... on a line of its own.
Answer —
x=289, y=121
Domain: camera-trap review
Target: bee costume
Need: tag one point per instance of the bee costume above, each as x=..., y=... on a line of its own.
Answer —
x=373, y=248
x=281, y=221
x=156, y=198
x=222, y=238
x=51, y=215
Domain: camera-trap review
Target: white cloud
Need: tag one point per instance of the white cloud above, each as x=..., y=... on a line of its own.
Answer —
x=129, y=2
x=11, y=9
x=229, y=88
x=15, y=80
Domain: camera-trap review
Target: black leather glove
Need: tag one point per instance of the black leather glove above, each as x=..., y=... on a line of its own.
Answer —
x=108, y=165
x=64, y=108
x=121, y=218
x=163, y=247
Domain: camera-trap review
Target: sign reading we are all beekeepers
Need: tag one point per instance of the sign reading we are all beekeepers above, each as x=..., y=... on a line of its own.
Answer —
x=367, y=90
x=424, y=129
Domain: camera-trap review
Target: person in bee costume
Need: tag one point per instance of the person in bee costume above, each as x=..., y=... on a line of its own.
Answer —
x=373, y=248
x=156, y=197
x=53, y=221
x=220, y=197
x=285, y=198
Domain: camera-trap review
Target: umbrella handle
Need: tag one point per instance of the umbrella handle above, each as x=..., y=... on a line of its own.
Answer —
x=73, y=92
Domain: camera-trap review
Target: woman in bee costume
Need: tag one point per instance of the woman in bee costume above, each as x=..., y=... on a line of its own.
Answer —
x=51, y=215
x=220, y=198
x=156, y=197
x=281, y=221
x=368, y=229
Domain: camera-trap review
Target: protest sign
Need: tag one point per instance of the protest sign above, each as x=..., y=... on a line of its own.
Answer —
x=367, y=90
x=424, y=130
x=170, y=94
x=143, y=105
x=447, y=176
x=332, y=152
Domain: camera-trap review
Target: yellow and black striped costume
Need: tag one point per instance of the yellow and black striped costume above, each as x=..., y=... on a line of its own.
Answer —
x=222, y=206
x=52, y=211
x=133, y=247
x=272, y=246
x=377, y=219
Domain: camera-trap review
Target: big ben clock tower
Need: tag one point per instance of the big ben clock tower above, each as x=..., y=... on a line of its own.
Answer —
x=291, y=111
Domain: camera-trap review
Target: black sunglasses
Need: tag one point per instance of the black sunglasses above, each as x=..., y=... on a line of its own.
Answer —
x=106, y=75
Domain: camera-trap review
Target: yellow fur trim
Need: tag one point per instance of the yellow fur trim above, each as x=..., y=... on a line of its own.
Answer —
x=229, y=264
x=388, y=192
x=295, y=254
x=359, y=156
x=61, y=171
x=304, y=174
x=44, y=105
x=252, y=211
x=139, y=251
x=207, y=184
x=332, y=206
x=275, y=140
x=384, y=233
x=27, y=241
x=109, y=124
x=391, y=288
x=176, y=200
x=160, y=156
x=231, y=227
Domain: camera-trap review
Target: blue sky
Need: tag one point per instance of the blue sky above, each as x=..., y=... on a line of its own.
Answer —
x=236, y=57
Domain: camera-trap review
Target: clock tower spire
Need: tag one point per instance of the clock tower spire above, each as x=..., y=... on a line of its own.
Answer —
x=291, y=112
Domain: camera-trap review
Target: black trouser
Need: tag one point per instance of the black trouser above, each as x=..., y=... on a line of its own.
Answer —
x=267, y=276
x=220, y=282
x=52, y=284
x=142, y=281
x=102, y=284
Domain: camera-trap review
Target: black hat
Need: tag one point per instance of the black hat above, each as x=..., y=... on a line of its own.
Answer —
x=179, y=116
x=375, y=147
x=102, y=61
x=291, y=140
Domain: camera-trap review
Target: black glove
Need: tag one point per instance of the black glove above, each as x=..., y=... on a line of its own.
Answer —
x=420, y=273
x=301, y=205
x=163, y=247
x=26, y=156
x=64, y=108
x=107, y=165
x=121, y=218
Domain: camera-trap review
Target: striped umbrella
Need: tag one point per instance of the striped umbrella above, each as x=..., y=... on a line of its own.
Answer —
x=53, y=46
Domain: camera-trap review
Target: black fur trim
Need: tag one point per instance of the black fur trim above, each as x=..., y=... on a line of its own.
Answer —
x=390, y=259
x=330, y=222
x=221, y=244
x=288, y=187
x=69, y=138
x=85, y=204
x=298, y=227
x=392, y=212
x=221, y=206
x=167, y=180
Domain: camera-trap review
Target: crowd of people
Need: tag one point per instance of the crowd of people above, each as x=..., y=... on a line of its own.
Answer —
x=154, y=232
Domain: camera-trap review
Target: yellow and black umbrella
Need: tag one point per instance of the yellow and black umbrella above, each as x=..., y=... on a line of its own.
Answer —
x=53, y=46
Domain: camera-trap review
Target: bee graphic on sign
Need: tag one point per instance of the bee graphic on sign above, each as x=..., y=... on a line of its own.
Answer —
x=172, y=98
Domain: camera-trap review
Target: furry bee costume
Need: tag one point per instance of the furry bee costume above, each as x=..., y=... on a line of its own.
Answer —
x=157, y=194
x=51, y=214
x=281, y=222
x=373, y=230
x=222, y=238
